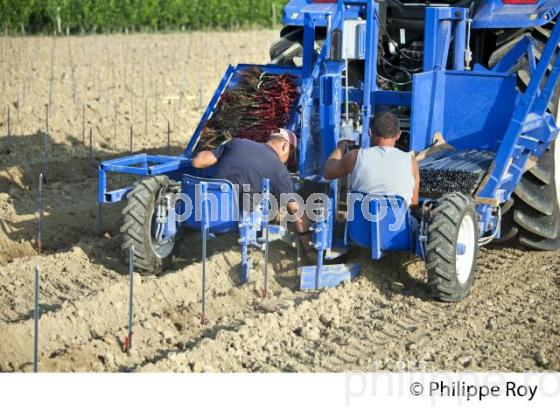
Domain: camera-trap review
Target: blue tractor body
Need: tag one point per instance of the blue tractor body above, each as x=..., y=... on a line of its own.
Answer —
x=477, y=109
x=490, y=14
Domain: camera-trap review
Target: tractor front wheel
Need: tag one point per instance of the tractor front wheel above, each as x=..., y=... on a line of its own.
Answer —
x=143, y=227
x=452, y=248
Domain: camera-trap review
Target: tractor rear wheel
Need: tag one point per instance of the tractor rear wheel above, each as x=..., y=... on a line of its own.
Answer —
x=288, y=48
x=452, y=248
x=288, y=51
x=140, y=227
x=532, y=215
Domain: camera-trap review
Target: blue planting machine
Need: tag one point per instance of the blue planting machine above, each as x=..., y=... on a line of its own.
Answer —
x=475, y=84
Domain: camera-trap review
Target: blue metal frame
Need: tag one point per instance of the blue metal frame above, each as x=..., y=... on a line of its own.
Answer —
x=139, y=164
x=479, y=108
x=295, y=10
x=496, y=14
x=489, y=13
x=253, y=227
x=531, y=129
x=515, y=128
x=384, y=232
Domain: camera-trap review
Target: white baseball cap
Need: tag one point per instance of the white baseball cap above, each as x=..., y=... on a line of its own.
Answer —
x=288, y=135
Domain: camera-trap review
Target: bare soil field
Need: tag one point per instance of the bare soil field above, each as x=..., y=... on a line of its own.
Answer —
x=384, y=320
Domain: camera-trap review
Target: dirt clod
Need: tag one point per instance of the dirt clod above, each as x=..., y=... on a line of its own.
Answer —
x=541, y=359
x=198, y=367
x=311, y=333
x=465, y=361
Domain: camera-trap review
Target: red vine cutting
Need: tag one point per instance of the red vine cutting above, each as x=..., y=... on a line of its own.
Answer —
x=257, y=105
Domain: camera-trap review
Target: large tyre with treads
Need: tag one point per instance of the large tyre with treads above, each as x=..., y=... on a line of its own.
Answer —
x=532, y=215
x=288, y=51
x=452, y=247
x=140, y=224
x=288, y=48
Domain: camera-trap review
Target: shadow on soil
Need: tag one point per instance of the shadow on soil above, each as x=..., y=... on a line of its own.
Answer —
x=393, y=275
x=71, y=212
x=69, y=200
x=69, y=197
x=189, y=251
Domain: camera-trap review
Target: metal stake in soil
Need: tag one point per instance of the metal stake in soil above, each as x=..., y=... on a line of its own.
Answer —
x=100, y=228
x=320, y=255
x=266, y=205
x=265, y=290
x=36, y=324
x=131, y=107
x=9, y=127
x=115, y=126
x=131, y=136
x=168, y=138
x=18, y=117
x=174, y=114
x=128, y=340
x=146, y=117
x=90, y=144
x=83, y=124
x=297, y=260
x=200, y=93
x=204, y=228
x=46, y=165
x=143, y=70
x=41, y=214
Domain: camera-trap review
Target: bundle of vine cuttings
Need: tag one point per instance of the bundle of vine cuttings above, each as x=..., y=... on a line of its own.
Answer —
x=256, y=105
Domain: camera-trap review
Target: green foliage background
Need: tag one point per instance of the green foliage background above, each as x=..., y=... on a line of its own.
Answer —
x=32, y=16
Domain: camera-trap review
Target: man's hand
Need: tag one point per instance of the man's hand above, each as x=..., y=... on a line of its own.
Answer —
x=341, y=162
x=204, y=159
x=416, y=174
x=302, y=226
x=345, y=144
x=347, y=136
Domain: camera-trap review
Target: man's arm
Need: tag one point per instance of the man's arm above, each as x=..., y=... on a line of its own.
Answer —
x=302, y=227
x=416, y=174
x=204, y=159
x=283, y=184
x=339, y=164
x=302, y=224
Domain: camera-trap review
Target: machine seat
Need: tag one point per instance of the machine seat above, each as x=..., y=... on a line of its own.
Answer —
x=223, y=208
x=384, y=225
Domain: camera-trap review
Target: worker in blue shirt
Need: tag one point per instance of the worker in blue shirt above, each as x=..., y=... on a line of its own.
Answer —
x=246, y=163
